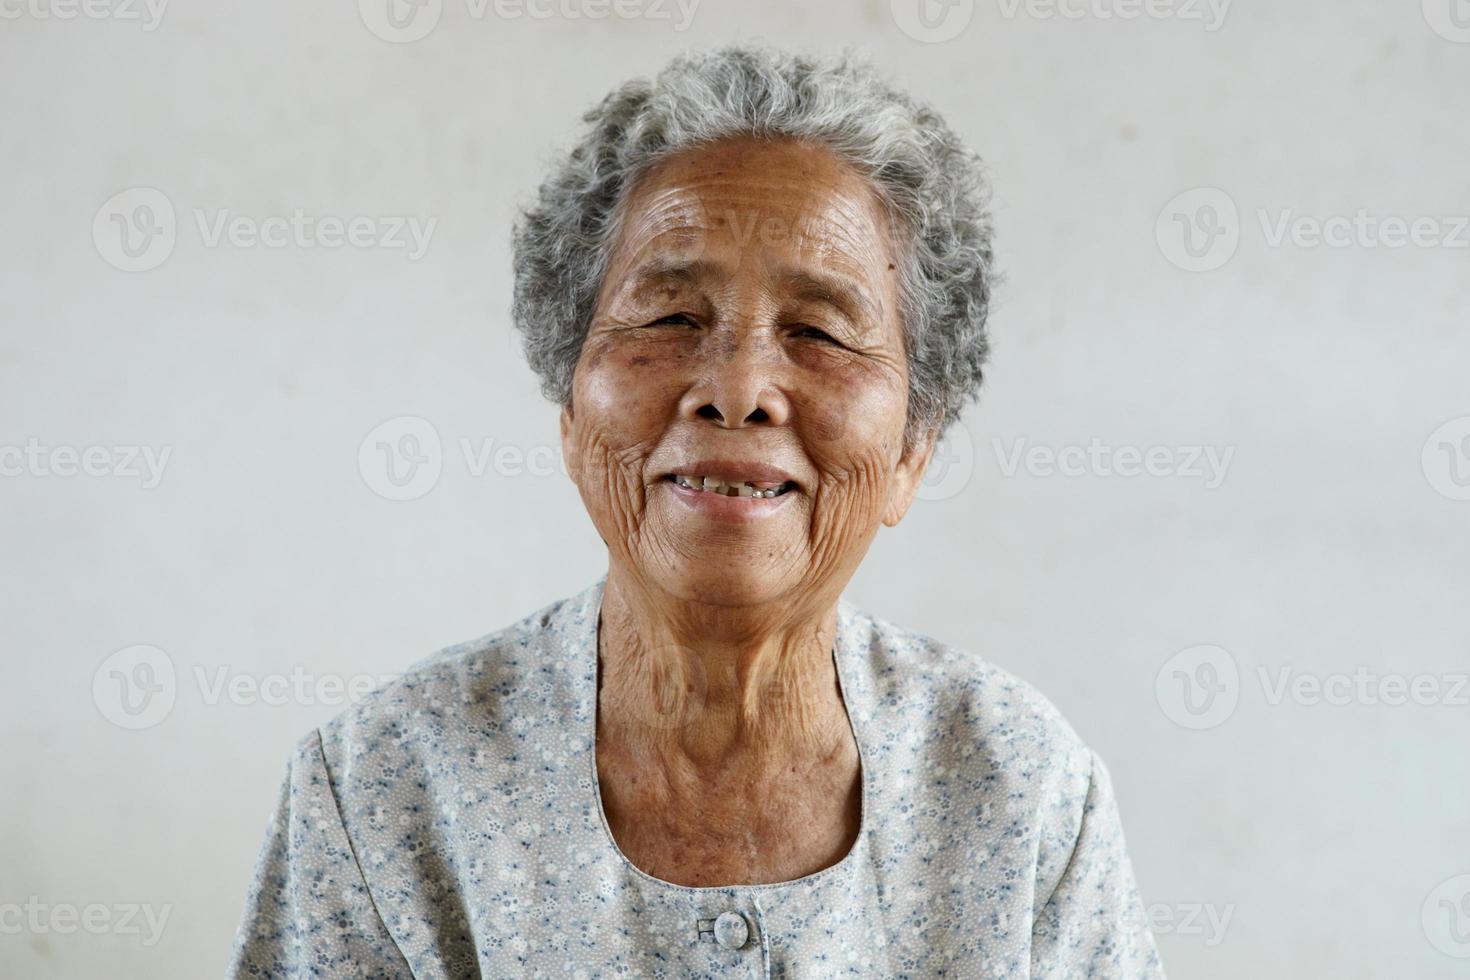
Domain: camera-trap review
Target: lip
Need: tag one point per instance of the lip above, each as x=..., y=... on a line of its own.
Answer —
x=736, y=471
x=717, y=506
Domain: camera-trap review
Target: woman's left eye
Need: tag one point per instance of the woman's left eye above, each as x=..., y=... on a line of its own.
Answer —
x=815, y=333
x=676, y=319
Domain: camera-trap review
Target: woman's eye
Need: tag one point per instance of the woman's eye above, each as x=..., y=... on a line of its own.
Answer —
x=676, y=319
x=816, y=333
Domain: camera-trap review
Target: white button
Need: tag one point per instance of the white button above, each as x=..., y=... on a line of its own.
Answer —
x=731, y=930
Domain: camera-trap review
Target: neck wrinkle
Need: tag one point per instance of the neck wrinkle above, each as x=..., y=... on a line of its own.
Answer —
x=709, y=686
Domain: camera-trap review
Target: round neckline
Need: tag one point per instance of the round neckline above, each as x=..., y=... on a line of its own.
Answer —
x=847, y=861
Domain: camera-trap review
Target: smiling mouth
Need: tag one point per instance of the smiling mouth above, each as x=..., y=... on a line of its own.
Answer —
x=727, y=488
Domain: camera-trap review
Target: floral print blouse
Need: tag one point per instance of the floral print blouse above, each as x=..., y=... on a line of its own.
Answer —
x=450, y=826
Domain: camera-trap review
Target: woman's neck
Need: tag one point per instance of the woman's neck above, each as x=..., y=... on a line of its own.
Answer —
x=711, y=685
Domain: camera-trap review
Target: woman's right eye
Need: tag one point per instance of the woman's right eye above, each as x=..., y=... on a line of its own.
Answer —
x=676, y=319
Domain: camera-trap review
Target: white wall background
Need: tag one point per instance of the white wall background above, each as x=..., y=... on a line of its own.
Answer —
x=1331, y=835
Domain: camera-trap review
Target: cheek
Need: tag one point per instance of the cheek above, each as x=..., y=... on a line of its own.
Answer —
x=624, y=396
x=855, y=419
x=624, y=392
x=855, y=415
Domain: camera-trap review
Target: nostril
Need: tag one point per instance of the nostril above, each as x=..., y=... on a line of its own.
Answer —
x=710, y=412
x=759, y=415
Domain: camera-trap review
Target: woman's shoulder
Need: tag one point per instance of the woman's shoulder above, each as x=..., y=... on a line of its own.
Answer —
x=954, y=693
x=501, y=678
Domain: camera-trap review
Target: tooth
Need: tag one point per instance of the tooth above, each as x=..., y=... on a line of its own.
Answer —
x=710, y=483
x=744, y=490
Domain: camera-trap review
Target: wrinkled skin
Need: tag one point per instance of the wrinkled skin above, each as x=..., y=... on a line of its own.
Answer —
x=749, y=312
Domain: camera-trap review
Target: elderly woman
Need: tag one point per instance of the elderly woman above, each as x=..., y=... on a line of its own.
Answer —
x=757, y=289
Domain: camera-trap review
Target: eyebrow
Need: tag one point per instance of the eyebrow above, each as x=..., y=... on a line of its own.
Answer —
x=665, y=272
x=846, y=295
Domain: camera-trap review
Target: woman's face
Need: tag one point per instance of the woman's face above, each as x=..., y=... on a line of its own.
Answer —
x=737, y=420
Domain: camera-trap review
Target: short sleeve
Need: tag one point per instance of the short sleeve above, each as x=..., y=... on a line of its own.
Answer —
x=1093, y=923
x=309, y=913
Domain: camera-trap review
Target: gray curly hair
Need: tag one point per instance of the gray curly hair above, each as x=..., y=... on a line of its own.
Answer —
x=934, y=189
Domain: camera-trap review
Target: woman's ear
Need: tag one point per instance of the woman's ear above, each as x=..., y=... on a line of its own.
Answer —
x=568, y=452
x=910, y=473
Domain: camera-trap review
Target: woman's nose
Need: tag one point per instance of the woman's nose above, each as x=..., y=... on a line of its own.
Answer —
x=739, y=385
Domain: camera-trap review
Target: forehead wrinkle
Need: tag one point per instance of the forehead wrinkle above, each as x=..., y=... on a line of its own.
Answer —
x=836, y=240
x=653, y=217
x=840, y=256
